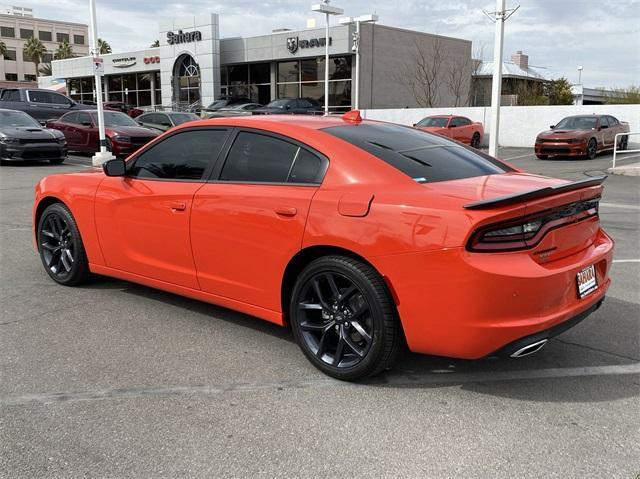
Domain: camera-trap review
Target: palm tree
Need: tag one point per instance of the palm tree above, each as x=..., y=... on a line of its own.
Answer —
x=3, y=48
x=155, y=44
x=64, y=51
x=103, y=47
x=45, y=69
x=35, y=50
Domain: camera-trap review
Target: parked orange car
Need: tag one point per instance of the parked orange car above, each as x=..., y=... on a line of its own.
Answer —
x=354, y=233
x=457, y=128
x=581, y=135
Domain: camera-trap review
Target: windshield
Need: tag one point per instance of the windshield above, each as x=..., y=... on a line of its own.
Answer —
x=115, y=118
x=577, y=123
x=433, y=121
x=180, y=118
x=17, y=118
x=278, y=104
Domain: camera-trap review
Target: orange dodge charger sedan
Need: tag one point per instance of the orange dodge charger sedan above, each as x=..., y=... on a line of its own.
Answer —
x=356, y=234
x=458, y=128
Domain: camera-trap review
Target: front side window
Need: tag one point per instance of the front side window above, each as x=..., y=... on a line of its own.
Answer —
x=183, y=156
x=425, y=158
x=259, y=158
x=70, y=118
x=84, y=119
x=59, y=99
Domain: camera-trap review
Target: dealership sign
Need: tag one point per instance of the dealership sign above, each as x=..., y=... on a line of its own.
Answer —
x=183, y=37
x=124, y=62
x=293, y=43
x=148, y=60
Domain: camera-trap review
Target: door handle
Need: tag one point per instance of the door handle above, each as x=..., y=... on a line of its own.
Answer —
x=176, y=205
x=286, y=211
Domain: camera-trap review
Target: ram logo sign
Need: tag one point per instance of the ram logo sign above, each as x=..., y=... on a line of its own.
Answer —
x=293, y=43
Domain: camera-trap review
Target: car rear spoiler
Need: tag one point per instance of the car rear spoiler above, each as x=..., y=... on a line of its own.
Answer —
x=535, y=194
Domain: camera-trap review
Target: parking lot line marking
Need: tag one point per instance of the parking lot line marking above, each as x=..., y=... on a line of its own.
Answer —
x=626, y=260
x=516, y=157
x=426, y=378
x=622, y=206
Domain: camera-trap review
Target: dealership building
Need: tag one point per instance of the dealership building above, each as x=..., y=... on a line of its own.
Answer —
x=194, y=66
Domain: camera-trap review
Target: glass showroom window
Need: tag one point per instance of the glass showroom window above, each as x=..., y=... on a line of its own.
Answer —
x=133, y=89
x=252, y=81
x=81, y=89
x=305, y=78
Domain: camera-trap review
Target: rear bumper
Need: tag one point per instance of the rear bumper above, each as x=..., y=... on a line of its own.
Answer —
x=469, y=305
x=45, y=151
x=561, y=149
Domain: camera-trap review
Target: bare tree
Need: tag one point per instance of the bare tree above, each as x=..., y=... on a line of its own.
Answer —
x=457, y=77
x=477, y=57
x=422, y=74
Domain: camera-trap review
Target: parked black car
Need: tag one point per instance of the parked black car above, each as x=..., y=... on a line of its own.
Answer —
x=41, y=104
x=163, y=120
x=299, y=106
x=23, y=138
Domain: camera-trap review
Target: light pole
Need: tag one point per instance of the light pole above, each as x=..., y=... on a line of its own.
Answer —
x=98, y=69
x=356, y=47
x=327, y=9
x=580, y=75
x=499, y=16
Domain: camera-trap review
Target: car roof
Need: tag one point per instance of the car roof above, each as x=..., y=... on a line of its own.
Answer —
x=309, y=122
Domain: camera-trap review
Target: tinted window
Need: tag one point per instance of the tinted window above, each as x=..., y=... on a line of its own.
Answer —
x=612, y=121
x=59, y=99
x=84, y=118
x=40, y=96
x=307, y=168
x=70, y=118
x=577, y=123
x=260, y=158
x=11, y=95
x=184, y=155
x=604, y=121
x=463, y=121
x=424, y=157
x=433, y=121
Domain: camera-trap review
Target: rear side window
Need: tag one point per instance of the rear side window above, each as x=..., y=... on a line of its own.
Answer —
x=261, y=158
x=422, y=156
x=11, y=95
x=183, y=156
x=604, y=121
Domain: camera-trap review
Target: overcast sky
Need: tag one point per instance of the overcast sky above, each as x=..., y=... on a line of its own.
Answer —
x=601, y=35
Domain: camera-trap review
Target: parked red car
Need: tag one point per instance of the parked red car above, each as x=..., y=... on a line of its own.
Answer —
x=130, y=110
x=358, y=234
x=124, y=135
x=458, y=128
x=582, y=135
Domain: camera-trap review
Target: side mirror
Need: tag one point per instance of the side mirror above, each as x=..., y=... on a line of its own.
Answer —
x=166, y=123
x=552, y=126
x=452, y=126
x=287, y=107
x=604, y=126
x=86, y=123
x=115, y=167
x=414, y=125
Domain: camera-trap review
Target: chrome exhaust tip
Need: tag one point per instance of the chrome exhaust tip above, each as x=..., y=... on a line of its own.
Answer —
x=529, y=349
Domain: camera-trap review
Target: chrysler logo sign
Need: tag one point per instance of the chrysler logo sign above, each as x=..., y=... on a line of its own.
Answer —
x=124, y=62
x=293, y=43
x=183, y=37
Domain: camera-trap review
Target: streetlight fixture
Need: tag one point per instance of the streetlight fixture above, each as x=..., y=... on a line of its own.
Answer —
x=327, y=9
x=580, y=75
x=371, y=18
x=98, y=71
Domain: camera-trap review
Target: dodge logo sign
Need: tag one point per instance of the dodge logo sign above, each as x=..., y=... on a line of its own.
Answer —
x=292, y=44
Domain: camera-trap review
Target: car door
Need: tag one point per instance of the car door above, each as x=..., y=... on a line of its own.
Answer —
x=249, y=222
x=143, y=218
x=456, y=129
x=85, y=132
x=607, y=133
x=41, y=106
x=68, y=124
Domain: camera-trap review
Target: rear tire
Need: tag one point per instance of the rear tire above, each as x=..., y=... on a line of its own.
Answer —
x=592, y=149
x=57, y=161
x=344, y=319
x=542, y=157
x=60, y=246
x=624, y=142
x=475, y=140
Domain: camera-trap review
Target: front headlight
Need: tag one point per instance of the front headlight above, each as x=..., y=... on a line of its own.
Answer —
x=122, y=139
x=9, y=141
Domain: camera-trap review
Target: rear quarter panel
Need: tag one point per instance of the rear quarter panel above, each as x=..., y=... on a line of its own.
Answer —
x=77, y=191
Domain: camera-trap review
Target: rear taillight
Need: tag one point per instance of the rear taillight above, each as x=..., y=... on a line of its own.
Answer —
x=528, y=231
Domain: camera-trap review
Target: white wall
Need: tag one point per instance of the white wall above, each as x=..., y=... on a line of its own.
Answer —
x=519, y=125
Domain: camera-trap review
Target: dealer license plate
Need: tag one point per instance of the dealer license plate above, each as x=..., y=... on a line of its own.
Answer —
x=587, y=282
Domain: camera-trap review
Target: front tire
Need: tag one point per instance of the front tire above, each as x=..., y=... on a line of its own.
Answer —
x=60, y=246
x=475, y=140
x=343, y=318
x=592, y=149
x=57, y=161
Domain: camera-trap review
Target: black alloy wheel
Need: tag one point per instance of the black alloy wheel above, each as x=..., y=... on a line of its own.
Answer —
x=592, y=149
x=60, y=246
x=343, y=318
x=475, y=140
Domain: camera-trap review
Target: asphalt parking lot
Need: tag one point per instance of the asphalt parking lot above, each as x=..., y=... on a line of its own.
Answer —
x=113, y=379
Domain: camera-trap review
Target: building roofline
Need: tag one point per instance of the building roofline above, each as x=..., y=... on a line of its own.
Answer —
x=20, y=17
